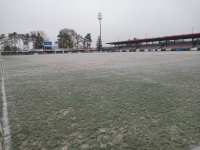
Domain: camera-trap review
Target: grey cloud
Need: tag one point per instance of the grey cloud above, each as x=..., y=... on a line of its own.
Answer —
x=123, y=19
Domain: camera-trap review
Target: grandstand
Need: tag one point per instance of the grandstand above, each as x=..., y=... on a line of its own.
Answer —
x=130, y=48
x=150, y=46
x=179, y=45
x=197, y=45
x=166, y=43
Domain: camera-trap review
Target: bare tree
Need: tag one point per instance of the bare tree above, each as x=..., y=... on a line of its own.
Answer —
x=13, y=39
x=26, y=39
x=78, y=40
x=66, y=38
x=98, y=44
x=38, y=37
x=2, y=38
x=88, y=40
x=5, y=42
x=19, y=38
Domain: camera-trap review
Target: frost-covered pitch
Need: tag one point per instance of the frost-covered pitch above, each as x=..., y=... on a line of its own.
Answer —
x=104, y=100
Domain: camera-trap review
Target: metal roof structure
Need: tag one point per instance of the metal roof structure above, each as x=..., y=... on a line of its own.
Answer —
x=164, y=38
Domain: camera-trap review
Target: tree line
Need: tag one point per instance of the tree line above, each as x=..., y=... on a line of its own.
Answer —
x=12, y=42
x=67, y=38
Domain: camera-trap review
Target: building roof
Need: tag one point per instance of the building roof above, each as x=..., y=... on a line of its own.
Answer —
x=172, y=37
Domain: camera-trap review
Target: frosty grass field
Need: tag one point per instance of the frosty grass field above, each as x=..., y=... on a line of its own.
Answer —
x=104, y=101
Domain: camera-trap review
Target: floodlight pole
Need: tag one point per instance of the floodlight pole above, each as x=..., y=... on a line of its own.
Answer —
x=192, y=30
x=100, y=18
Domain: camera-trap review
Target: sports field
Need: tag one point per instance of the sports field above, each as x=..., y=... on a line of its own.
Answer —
x=141, y=101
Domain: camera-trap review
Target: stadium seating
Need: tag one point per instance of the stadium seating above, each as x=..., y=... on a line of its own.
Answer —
x=182, y=45
x=169, y=46
x=174, y=46
x=197, y=45
x=129, y=47
x=116, y=48
x=150, y=46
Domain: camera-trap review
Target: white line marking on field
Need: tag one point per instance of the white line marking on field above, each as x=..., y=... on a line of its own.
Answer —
x=6, y=128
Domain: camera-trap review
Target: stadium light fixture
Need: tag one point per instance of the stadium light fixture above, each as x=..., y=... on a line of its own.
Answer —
x=100, y=18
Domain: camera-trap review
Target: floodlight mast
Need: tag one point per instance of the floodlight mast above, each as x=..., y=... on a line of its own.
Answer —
x=100, y=18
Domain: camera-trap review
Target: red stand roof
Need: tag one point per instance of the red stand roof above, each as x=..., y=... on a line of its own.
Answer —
x=172, y=37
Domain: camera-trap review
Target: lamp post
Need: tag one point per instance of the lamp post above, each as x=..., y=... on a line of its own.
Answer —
x=146, y=35
x=192, y=30
x=100, y=18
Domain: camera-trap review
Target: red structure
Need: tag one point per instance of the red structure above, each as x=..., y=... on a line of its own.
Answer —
x=173, y=42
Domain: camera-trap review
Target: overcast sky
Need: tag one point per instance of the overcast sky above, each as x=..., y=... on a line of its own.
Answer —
x=122, y=19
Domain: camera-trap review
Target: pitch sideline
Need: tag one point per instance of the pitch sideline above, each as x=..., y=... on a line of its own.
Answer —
x=6, y=127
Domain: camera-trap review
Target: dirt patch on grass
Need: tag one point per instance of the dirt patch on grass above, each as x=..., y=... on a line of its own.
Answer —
x=64, y=148
x=102, y=130
x=85, y=146
x=64, y=112
x=110, y=136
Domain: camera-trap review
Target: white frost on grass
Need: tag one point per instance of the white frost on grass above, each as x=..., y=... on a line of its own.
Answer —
x=6, y=128
x=64, y=112
x=197, y=148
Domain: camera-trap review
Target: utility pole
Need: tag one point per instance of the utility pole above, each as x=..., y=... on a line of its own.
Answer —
x=100, y=18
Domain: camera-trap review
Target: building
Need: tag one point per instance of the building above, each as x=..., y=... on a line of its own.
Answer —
x=181, y=42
